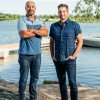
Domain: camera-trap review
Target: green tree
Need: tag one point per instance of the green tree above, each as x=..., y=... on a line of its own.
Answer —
x=46, y=20
x=98, y=16
x=97, y=11
x=87, y=8
x=5, y=17
x=52, y=16
x=77, y=16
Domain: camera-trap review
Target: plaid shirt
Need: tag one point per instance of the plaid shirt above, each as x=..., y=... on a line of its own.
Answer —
x=64, y=38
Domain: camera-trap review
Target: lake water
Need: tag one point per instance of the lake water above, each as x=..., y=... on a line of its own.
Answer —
x=9, y=33
x=88, y=60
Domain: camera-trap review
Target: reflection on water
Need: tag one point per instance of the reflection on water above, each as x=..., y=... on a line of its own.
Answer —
x=88, y=67
x=88, y=70
x=8, y=62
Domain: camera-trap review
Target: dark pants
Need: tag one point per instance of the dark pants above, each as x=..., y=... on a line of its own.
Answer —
x=61, y=69
x=33, y=63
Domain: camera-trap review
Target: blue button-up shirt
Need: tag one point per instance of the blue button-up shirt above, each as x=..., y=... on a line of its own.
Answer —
x=64, y=38
x=30, y=46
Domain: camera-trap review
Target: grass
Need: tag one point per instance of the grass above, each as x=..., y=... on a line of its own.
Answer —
x=49, y=82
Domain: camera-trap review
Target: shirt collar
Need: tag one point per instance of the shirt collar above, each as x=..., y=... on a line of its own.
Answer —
x=28, y=18
x=66, y=22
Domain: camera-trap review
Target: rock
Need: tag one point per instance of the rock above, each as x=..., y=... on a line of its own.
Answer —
x=9, y=91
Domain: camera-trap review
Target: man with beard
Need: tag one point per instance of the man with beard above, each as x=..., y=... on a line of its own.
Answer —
x=63, y=34
x=31, y=29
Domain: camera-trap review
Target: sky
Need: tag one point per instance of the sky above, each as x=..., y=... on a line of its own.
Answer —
x=43, y=7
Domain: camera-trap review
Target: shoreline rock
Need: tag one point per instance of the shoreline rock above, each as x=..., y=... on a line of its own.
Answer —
x=9, y=91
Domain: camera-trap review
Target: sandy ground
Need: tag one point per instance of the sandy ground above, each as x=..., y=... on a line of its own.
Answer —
x=9, y=91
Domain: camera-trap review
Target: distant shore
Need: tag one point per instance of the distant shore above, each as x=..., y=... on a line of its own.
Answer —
x=9, y=91
x=57, y=19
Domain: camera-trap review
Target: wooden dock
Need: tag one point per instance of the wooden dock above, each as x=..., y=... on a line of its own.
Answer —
x=87, y=41
x=5, y=49
x=91, y=41
x=10, y=47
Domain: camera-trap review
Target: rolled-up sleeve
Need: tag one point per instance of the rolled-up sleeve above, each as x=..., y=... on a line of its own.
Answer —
x=77, y=29
x=21, y=25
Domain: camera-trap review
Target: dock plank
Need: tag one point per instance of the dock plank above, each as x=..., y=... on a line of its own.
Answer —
x=15, y=46
x=91, y=41
x=10, y=47
x=87, y=41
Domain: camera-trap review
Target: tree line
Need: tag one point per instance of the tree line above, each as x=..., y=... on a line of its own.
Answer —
x=77, y=17
x=9, y=17
x=12, y=17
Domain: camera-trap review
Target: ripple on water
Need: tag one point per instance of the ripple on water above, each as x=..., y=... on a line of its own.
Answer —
x=88, y=68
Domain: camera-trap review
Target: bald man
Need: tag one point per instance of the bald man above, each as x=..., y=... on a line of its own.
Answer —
x=31, y=29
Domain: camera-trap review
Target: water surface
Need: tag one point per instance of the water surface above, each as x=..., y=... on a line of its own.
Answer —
x=88, y=68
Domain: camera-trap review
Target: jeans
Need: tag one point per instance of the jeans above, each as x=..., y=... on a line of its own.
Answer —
x=70, y=67
x=33, y=63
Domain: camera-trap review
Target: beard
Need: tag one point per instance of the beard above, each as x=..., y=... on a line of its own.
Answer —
x=62, y=17
x=30, y=13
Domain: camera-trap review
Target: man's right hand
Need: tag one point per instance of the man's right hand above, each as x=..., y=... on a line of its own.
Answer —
x=53, y=58
x=29, y=30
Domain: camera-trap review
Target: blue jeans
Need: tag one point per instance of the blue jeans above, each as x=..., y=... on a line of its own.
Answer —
x=33, y=63
x=61, y=69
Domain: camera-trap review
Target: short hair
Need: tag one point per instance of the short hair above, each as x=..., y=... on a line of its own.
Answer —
x=63, y=5
x=28, y=1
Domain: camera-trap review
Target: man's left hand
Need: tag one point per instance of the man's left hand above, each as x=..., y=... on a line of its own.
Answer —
x=29, y=29
x=71, y=57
